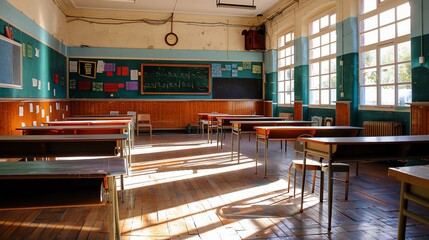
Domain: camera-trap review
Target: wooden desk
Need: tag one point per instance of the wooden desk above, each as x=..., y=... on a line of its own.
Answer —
x=265, y=134
x=53, y=171
x=240, y=127
x=362, y=149
x=214, y=120
x=107, y=122
x=224, y=122
x=30, y=146
x=414, y=187
x=203, y=119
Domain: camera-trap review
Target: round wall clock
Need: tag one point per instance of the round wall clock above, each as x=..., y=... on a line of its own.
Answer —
x=171, y=39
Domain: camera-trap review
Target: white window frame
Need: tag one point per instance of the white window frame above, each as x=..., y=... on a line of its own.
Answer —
x=325, y=90
x=285, y=69
x=377, y=70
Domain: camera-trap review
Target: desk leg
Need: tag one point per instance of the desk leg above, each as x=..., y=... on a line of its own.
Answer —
x=403, y=205
x=114, y=231
x=265, y=157
x=304, y=166
x=232, y=145
x=256, y=155
x=330, y=188
x=238, y=145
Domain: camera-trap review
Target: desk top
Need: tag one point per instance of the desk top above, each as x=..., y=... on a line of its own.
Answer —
x=63, y=138
x=63, y=169
x=106, y=121
x=74, y=127
x=416, y=175
x=307, y=127
x=255, y=122
x=368, y=140
x=101, y=117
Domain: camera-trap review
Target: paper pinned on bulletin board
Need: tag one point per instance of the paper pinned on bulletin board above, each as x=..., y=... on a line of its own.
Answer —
x=134, y=75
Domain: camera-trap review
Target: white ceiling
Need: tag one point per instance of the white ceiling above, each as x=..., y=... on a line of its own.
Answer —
x=204, y=7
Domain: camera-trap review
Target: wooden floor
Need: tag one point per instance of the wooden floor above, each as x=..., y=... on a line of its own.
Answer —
x=180, y=187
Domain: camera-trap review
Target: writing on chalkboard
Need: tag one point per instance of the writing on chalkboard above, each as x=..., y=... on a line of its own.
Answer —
x=175, y=79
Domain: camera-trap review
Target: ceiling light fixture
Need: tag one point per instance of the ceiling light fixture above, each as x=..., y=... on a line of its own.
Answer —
x=233, y=5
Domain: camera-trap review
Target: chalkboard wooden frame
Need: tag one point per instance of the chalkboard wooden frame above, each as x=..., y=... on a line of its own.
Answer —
x=189, y=82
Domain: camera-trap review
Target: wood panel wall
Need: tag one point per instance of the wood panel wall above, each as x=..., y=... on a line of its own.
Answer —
x=167, y=114
x=419, y=118
x=10, y=117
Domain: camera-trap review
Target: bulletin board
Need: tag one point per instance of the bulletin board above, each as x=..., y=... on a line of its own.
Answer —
x=135, y=78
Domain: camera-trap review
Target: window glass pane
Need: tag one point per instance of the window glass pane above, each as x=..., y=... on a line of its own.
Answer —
x=314, y=42
x=288, y=74
x=368, y=5
x=369, y=38
x=387, y=74
x=282, y=62
x=325, y=38
x=315, y=27
x=287, y=51
x=369, y=58
x=325, y=97
x=281, y=41
x=369, y=23
x=325, y=51
x=314, y=69
x=333, y=96
x=387, y=55
x=287, y=86
x=403, y=11
x=281, y=75
x=387, y=95
x=333, y=48
x=281, y=97
x=324, y=66
x=315, y=53
x=281, y=86
x=404, y=72
x=292, y=86
x=333, y=65
x=314, y=82
x=314, y=97
x=404, y=51
x=333, y=36
x=288, y=61
x=333, y=19
x=387, y=32
x=387, y=17
x=324, y=21
x=282, y=53
x=404, y=27
x=324, y=81
x=404, y=94
x=288, y=37
x=368, y=96
x=333, y=81
x=369, y=76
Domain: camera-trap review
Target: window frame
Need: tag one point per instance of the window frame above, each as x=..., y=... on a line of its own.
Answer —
x=286, y=96
x=382, y=7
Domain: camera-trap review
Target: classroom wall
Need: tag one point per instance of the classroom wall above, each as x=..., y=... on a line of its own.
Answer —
x=348, y=52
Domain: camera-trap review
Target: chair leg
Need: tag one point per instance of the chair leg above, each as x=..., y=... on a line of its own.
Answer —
x=294, y=182
x=288, y=177
x=346, y=197
x=322, y=184
x=314, y=181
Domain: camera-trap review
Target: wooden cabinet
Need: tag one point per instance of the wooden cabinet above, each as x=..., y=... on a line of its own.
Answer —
x=419, y=118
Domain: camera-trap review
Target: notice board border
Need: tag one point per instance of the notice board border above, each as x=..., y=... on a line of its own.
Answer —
x=209, y=79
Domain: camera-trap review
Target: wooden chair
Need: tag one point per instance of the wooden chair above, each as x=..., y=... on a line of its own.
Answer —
x=143, y=122
x=313, y=165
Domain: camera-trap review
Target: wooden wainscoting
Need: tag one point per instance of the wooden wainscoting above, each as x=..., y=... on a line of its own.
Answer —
x=167, y=114
x=10, y=117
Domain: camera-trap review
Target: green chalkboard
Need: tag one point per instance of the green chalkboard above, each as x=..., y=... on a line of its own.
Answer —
x=175, y=79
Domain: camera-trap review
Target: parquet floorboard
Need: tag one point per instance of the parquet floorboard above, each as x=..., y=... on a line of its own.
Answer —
x=181, y=187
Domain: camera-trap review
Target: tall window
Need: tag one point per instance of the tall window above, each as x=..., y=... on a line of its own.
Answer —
x=322, y=61
x=285, y=89
x=385, y=53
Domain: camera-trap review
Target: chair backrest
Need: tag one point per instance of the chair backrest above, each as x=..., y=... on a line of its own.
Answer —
x=299, y=146
x=143, y=118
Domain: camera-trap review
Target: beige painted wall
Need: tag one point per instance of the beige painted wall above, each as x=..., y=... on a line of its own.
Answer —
x=195, y=32
x=46, y=14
